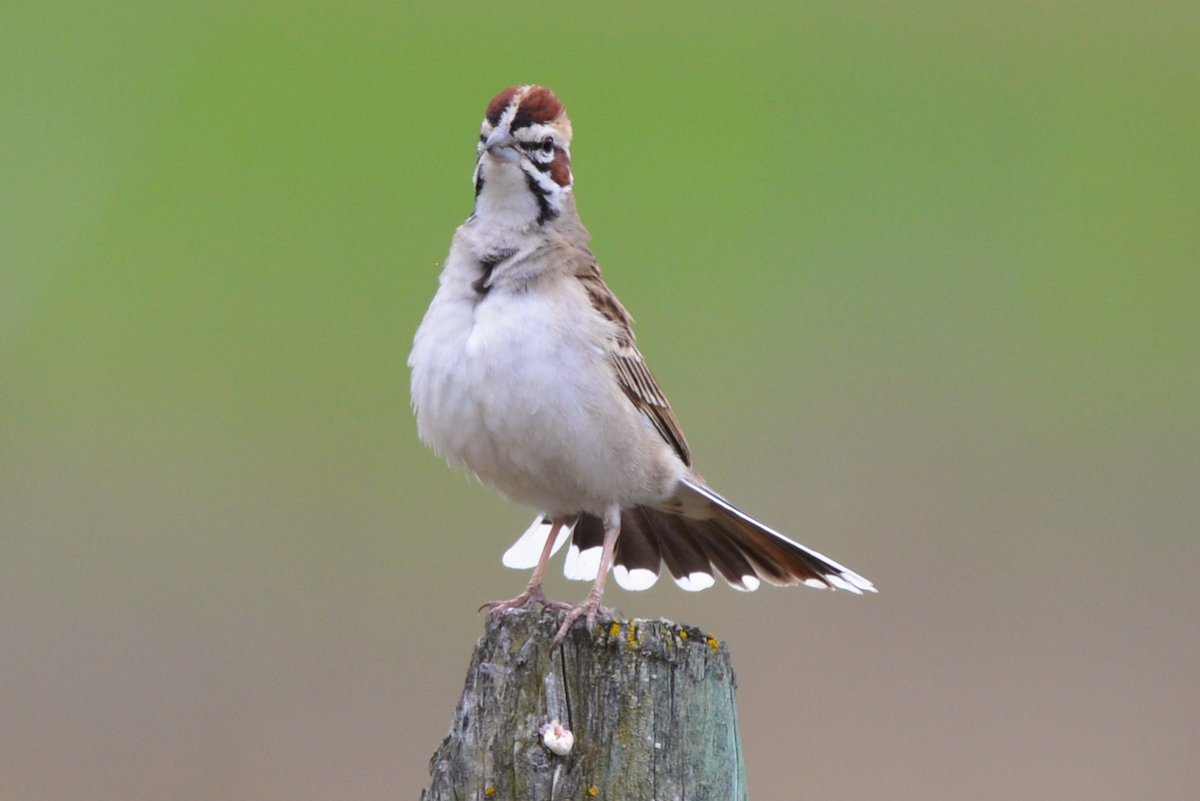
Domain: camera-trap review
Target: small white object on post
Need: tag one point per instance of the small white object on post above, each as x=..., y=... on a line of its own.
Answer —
x=558, y=738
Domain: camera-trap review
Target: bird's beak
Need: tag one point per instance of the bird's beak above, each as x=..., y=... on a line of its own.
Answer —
x=501, y=145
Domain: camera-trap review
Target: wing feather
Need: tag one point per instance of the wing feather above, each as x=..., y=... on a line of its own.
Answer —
x=634, y=376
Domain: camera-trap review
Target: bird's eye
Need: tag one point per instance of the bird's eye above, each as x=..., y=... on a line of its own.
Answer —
x=547, y=145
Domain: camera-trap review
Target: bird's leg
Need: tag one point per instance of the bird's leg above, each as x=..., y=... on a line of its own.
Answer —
x=533, y=591
x=591, y=604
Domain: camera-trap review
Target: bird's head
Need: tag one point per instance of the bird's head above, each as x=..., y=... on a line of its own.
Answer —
x=523, y=176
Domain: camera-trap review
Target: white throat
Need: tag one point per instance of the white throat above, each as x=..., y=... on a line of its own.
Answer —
x=505, y=200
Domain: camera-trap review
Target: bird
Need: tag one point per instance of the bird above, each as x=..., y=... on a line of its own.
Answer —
x=525, y=372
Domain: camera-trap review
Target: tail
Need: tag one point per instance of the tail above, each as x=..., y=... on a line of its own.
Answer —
x=702, y=531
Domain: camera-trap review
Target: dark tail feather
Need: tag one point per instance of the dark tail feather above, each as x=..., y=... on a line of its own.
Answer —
x=776, y=558
x=727, y=557
x=683, y=554
x=637, y=559
x=703, y=531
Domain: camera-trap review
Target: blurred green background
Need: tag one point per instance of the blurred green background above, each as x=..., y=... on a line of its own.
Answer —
x=922, y=281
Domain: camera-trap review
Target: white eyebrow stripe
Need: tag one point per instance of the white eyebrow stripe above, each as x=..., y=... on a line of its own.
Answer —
x=535, y=132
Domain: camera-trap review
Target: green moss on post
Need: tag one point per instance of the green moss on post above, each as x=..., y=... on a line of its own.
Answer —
x=650, y=704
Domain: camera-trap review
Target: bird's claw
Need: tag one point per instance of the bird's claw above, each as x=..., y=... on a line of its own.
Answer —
x=589, y=608
x=532, y=594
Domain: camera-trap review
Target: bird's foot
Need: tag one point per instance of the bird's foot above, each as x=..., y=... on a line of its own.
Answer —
x=533, y=594
x=589, y=608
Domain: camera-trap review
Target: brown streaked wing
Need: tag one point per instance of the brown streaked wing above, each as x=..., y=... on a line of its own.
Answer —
x=633, y=374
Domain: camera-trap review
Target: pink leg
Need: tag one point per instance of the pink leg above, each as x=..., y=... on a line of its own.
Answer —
x=591, y=604
x=533, y=591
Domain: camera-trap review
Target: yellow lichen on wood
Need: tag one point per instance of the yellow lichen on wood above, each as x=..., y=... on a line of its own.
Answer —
x=634, y=638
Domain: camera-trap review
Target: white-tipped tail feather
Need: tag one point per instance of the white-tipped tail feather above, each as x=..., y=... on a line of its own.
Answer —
x=524, y=553
x=702, y=535
x=749, y=584
x=637, y=579
x=834, y=574
x=582, y=565
x=695, y=582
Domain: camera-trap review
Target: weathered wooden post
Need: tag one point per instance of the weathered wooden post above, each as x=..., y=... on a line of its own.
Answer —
x=650, y=704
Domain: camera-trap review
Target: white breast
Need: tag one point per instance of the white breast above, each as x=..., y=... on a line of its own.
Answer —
x=515, y=387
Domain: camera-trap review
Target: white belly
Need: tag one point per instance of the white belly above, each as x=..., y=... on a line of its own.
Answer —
x=514, y=390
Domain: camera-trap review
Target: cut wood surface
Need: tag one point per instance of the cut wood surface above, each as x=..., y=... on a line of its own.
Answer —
x=650, y=704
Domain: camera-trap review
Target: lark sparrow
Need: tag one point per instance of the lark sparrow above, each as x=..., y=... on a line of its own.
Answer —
x=525, y=372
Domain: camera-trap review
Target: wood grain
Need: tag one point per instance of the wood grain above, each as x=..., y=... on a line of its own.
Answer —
x=650, y=703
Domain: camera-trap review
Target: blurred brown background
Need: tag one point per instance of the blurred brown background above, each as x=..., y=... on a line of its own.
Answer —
x=921, y=280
